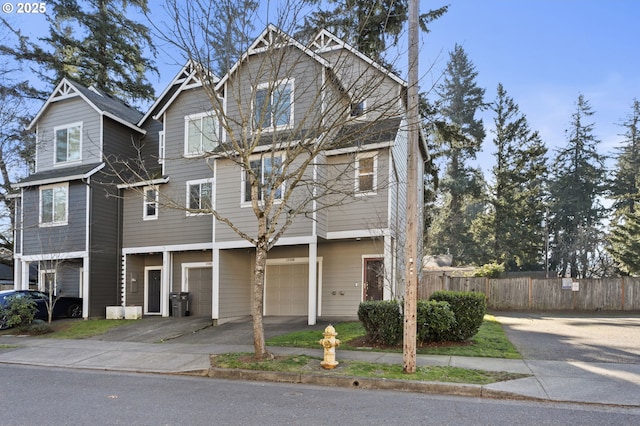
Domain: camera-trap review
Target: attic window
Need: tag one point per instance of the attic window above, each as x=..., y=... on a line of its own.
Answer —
x=357, y=109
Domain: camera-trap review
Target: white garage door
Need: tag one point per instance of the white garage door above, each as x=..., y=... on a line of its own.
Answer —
x=286, y=289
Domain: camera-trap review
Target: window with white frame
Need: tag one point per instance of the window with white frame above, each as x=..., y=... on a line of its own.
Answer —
x=150, y=203
x=54, y=202
x=68, y=140
x=49, y=281
x=161, y=147
x=199, y=196
x=201, y=133
x=268, y=170
x=273, y=105
x=366, y=178
x=358, y=109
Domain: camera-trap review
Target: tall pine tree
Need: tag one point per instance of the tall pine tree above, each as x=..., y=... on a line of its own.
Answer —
x=461, y=187
x=625, y=185
x=512, y=227
x=575, y=189
x=95, y=43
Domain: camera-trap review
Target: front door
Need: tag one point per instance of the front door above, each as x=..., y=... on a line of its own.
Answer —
x=153, y=290
x=373, y=279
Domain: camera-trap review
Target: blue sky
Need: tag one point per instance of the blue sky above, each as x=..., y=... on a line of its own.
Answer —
x=544, y=52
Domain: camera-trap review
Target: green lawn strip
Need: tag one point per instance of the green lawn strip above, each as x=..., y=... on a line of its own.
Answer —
x=490, y=341
x=84, y=329
x=307, y=364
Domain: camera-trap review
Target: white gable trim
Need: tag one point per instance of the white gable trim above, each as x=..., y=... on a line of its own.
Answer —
x=66, y=90
x=326, y=42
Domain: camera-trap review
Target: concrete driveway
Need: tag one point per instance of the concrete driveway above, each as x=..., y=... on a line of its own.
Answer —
x=587, y=337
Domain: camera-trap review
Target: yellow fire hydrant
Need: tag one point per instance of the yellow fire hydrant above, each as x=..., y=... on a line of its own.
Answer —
x=329, y=344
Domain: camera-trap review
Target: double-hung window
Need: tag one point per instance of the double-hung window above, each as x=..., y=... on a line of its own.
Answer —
x=68, y=140
x=268, y=170
x=201, y=134
x=366, y=177
x=199, y=196
x=273, y=105
x=54, y=201
x=150, y=203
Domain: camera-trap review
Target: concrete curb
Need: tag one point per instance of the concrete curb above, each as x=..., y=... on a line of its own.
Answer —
x=441, y=388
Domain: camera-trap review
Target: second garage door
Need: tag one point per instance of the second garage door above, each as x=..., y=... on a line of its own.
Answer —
x=286, y=289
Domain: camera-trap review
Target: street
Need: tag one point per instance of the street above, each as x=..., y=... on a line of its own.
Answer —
x=46, y=396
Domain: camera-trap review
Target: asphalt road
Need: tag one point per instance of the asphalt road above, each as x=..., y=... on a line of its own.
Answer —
x=46, y=396
x=587, y=337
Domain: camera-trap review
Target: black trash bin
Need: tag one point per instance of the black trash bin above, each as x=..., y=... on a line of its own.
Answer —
x=179, y=303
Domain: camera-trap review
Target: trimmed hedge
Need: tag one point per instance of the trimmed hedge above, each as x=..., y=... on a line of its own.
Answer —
x=435, y=320
x=469, y=309
x=382, y=321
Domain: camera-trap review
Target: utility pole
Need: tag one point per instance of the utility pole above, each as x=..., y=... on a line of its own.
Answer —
x=411, y=248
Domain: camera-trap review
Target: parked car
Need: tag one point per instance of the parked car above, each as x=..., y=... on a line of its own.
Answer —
x=70, y=307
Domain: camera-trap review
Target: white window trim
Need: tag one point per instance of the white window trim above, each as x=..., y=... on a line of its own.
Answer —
x=64, y=185
x=145, y=202
x=188, y=197
x=374, y=189
x=55, y=143
x=364, y=110
x=42, y=284
x=191, y=117
x=243, y=202
x=161, y=147
x=271, y=127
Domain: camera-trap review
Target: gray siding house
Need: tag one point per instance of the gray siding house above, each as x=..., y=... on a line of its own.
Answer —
x=135, y=237
x=68, y=222
x=330, y=259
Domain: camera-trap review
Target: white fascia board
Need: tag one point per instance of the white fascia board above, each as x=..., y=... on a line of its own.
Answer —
x=358, y=233
x=167, y=248
x=66, y=178
x=54, y=256
x=362, y=148
x=150, y=182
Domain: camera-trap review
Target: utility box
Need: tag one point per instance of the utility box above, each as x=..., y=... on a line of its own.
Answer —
x=179, y=303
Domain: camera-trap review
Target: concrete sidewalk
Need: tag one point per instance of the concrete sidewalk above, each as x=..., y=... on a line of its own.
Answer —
x=596, y=383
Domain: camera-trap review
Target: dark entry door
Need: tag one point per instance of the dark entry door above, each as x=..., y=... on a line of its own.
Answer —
x=374, y=279
x=153, y=291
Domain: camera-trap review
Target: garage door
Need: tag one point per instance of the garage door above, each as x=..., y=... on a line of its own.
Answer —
x=199, y=283
x=286, y=289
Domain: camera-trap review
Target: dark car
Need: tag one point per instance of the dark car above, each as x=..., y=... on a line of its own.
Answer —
x=70, y=307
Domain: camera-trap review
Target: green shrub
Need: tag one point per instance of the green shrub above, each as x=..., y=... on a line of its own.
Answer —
x=39, y=327
x=491, y=270
x=469, y=308
x=382, y=321
x=19, y=311
x=435, y=321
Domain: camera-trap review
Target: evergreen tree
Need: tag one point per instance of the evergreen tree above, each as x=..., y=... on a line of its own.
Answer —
x=369, y=26
x=577, y=183
x=625, y=185
x=625, y=243
x=461, y=187
x=511, y=227
x=94, y=43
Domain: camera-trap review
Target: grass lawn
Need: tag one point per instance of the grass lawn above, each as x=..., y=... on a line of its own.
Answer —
x=307, y=364
x=491, y=341
x=75, y=328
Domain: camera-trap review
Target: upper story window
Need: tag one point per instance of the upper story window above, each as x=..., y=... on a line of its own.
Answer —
x=201, y=134
x=150, y=203
x=199, y=196
x=68, y=140
x=54, y=202
x=268, y=169
x=358, y=109
x=161, y=147
x=273, y=107
x=366, y=179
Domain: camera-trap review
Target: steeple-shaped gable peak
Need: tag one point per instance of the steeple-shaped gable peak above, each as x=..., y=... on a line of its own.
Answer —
x=63, y=90
x=272, y=36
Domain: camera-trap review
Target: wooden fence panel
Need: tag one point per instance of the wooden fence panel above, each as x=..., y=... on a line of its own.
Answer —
x=509, y=294
x=609, y=294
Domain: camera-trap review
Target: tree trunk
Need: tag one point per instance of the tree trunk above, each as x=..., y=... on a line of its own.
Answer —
x=258, y=302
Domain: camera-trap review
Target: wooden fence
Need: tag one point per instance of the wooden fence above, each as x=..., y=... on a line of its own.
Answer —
x=608, y=294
